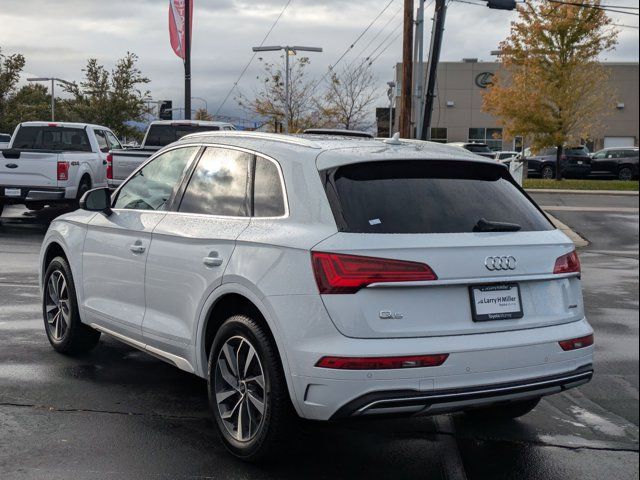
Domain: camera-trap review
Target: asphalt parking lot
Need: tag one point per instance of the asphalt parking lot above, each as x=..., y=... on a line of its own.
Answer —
x=118, y=413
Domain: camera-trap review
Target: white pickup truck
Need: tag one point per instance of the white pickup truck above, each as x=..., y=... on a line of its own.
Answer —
x=121, y=163
x=50, y=163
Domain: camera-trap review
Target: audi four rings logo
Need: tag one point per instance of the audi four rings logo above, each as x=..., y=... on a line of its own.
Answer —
x=500, y=263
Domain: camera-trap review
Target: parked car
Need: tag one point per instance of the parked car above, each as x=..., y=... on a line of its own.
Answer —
x=5, y=139
x=51, y=163
x=506, y=155
x=481, y=149
x=621, y=162
x=324, y=278
x=574, y=163
x=121, y=163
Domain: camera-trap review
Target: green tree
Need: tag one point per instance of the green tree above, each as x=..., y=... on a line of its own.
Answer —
x=110, y=98
x=10, y=69
x=552, y=88
x=32, y=102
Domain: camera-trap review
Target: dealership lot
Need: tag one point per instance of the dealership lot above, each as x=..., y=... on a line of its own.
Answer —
x=118, y=413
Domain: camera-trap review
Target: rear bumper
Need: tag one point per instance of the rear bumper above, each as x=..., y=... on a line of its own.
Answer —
x=407, y=402
x=32, y=194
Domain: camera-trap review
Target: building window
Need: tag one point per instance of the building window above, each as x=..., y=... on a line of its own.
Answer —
x=490, y=136
x=439, y=135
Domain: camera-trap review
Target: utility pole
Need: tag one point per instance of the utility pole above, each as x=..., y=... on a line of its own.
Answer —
x=418, y=74
x=437, y=33
x=187, y=60
x=391, y=93
x=407, y=71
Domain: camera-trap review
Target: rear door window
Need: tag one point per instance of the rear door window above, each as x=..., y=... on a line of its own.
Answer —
x=426, y=196
x=219, y=184
x=52, y=138
x=103, y=145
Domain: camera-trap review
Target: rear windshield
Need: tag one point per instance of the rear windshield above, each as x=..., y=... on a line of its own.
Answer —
x=426, y=196
x=478, y=148
x=162, y=135
x=52, y=138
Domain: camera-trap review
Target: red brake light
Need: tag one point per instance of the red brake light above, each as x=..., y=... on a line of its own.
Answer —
x=577, y=343
x=382, y=363
x=63, y=171
x=337, y=273
x=110, y=167
x=569, y=263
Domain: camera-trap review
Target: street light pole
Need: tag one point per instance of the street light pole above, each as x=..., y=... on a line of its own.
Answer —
x=287, y=86
x=53, y=81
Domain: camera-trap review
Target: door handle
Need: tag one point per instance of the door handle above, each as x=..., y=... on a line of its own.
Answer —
x=137, y=247
x=213, y=260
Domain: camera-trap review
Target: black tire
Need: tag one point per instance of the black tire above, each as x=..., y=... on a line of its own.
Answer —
x=505, y=411
x=84, y=187
x=34, y=206
x=67, y=334
x=548, y=172
x=625, y=173
x=276, y=422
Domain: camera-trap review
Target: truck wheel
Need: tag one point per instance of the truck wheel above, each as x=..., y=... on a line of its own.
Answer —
x=248, y=393
x=34, y=206
x=66, y=333
x=505, y=411
x=84, y=187
x=548, y=172
x=625, y=173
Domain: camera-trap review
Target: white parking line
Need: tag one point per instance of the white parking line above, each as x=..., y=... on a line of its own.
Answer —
x=564, y=208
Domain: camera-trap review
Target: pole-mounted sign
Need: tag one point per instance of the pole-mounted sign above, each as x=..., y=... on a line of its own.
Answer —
x=180, y=37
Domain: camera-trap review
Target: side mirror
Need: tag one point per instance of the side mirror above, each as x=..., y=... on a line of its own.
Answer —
x=97, y=200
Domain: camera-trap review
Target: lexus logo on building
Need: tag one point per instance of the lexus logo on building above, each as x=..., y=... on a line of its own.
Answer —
x=484, y=79
x=500, y=263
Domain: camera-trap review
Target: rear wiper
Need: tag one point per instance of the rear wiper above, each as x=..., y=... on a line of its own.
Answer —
x=485, y=225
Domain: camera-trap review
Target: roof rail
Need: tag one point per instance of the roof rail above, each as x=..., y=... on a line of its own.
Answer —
x=338, y=132
x=274, y=137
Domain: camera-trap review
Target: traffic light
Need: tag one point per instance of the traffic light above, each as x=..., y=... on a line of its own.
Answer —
x=502, y=4
x=166, y=110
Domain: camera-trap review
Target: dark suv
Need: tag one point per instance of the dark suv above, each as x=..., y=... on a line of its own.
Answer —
x=575, y=162
x=620, y=162
x=481, y=149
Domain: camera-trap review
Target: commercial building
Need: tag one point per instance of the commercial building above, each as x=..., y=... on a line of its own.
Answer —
x=458, y=115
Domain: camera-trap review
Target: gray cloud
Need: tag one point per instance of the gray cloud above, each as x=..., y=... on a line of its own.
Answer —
x=57, y=38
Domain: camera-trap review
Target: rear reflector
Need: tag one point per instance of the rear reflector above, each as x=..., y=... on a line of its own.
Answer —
x=577, y=343
x=63, y=171
x=569, y=263
x=110, y=167
x=382, y=363
x=337, y=273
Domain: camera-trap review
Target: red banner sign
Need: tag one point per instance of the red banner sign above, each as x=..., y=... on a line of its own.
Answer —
x=177, y=26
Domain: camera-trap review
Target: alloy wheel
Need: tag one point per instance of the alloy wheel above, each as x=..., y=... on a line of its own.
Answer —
x=625, y=174
x=240, y=388
x=58, y=307
x=547, y=173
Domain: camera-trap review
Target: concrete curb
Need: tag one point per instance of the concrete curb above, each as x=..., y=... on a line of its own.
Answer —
x=582, y=192
x=577, y=239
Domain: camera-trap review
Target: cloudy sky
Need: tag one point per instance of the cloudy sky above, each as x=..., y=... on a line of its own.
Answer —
x=57, y=37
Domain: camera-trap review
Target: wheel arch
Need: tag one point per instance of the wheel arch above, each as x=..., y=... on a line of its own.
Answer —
x=225, y=301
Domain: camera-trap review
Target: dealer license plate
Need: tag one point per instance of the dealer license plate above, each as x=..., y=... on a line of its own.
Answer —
x=12, y=192
x=496, y=302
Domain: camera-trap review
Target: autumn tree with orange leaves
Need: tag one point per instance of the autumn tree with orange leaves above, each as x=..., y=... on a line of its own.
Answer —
x=552, y=89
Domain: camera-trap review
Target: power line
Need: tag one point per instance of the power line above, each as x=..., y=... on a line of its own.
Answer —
x=595, y=7
x=349, y=48
x=384, y=27
x=246, y=67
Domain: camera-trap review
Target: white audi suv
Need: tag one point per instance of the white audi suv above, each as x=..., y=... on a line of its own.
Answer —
x=324, y=278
